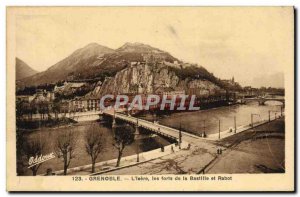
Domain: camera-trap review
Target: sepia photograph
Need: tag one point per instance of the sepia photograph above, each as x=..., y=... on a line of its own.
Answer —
x=150, y=98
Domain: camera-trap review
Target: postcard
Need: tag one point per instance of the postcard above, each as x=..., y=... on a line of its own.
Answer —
x=150, y=99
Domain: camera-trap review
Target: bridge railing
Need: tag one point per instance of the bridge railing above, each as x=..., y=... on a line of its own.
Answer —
x=154, y=127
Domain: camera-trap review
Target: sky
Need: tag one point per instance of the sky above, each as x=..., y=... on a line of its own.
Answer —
x=252, y=44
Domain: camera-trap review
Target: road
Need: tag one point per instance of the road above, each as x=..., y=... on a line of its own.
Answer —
x=155, y=127
x=246, y=152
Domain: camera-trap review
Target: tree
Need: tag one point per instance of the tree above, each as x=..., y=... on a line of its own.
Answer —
x=124, y=136
x=28, y=110
x=65, y=144
x=23, y=108
x=64, y=107
x=43, y=108
x=56, y=108
x=33, y=148
x=19, y=109
x=20, y=150
x=94, y=144
x=33, y=109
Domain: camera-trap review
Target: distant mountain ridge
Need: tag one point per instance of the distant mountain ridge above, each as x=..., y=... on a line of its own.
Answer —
x=130, y=68
x=95, y=61
x=80, y=60
x=138, y=48
x=23, y=70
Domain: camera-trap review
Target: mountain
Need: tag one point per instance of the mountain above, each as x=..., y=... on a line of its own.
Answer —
x=138, y=48
x=132, y=67
x=96, y=62
x=23, y=70
x=87, y=58
x=144, y=52
x=146, y=78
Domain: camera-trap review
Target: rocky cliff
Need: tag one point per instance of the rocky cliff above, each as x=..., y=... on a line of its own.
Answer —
x=133, y=68
x=143, y=78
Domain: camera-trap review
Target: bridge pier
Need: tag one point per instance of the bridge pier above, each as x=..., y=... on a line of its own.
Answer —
x=152, y=127
x=261, y=102
x=114, y=124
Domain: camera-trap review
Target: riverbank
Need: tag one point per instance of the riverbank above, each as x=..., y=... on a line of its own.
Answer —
x=225, y=118
x=202, y=150
x=257, y=150
x=232, y=131
x=48, y=136
x=129, y=161
x=202, y=156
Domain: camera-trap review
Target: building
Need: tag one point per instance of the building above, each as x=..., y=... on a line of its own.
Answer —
x=249, y=91
x=40, y=96
x=50, y=96
x=65, y=106
x=69, y=87
x=174, y=93
x=199, y=92
x=88, y=103
x=79, y=104
x=93, y=103
x=230, y=81
x=168, y=91
x=25, y=98
x=76, y=86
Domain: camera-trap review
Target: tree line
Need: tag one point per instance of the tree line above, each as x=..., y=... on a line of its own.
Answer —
x=66, y=144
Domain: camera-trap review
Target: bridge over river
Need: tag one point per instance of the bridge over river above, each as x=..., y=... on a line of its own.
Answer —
x=154, y=127
x=168, y=131
x=262, y=100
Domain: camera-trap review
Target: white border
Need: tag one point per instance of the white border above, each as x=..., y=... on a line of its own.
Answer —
x=4, y=3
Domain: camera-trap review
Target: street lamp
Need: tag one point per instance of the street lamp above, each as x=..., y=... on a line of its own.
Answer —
x=204, y=134
x=281, y=110
x=252, y=119
x=180, y=136
x=234, y=124
x=219, y=129
x=137, y=133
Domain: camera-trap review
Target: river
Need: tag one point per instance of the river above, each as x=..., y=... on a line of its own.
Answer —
x=48, y=136
x=194, y=122
x=208, y=120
